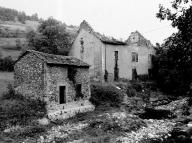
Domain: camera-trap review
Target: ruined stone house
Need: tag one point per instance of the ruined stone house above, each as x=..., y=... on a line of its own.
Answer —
x=111, y=59
x=61, y=81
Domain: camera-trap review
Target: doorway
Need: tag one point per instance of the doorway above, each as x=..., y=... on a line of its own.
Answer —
x=134, y=74
x=78, y=91
x=62, y=94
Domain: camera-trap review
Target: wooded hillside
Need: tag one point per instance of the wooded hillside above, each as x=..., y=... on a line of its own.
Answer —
x=7, y=14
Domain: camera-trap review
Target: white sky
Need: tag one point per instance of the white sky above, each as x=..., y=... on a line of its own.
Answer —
x=117, y=18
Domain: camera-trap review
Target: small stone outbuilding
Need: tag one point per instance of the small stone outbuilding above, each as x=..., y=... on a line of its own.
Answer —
x=61, y=81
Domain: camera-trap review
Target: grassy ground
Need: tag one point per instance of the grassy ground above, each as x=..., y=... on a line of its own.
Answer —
x=105, y=124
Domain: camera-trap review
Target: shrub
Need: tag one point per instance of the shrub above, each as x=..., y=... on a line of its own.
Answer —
x=11, y=94
x=20, y=111
x=6, y=64
x=151, y=113
x=106, y=95
x=131, y=92
x=137, y=86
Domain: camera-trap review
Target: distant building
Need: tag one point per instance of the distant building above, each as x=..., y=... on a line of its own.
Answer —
x=111, y=59
x=62, y=81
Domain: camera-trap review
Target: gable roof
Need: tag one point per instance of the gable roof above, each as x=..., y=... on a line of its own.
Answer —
x=85, y=25
x=142, y=40
x=56, y=59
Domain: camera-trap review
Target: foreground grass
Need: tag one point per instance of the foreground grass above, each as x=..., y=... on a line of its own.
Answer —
x=18, y=115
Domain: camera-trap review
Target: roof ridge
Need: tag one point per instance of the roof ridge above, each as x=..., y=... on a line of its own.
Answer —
x=58, y=59
x=106, y=39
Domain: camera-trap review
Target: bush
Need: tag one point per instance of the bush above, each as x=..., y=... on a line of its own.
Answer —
x=6, y=64
x=11, y=94
x=106, y=95
x=151, y=113
x=17, y=110
x=136, y=85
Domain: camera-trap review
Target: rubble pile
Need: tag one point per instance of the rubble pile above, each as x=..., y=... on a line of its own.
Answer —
x=154, y=129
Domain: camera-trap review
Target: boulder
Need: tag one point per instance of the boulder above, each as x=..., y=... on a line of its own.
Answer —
x=43, y=121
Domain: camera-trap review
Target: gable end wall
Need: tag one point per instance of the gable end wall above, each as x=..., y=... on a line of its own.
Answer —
x=29, y=76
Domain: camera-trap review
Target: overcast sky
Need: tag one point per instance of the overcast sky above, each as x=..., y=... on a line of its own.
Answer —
x=117, y=18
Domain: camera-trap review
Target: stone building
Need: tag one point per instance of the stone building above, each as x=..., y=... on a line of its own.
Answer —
x=61, y=81
x=111, y=59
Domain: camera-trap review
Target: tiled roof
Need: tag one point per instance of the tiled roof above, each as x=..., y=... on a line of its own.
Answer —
x=58, y=59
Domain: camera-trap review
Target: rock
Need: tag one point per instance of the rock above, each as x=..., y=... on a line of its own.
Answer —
x=190, y=110
x=7, y=131
x=189, y=117
x=43, y=121
x=189, y=124
x=42, y=139
x=182, y=119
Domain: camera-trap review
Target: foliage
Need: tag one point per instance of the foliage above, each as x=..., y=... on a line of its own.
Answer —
x=51, y=37
x=106, y=94
x=136, y=85
x=174, y=61
x=11, y=94
x=7, y=14
x=6, y=64
x=151, y=113
x=16, y=109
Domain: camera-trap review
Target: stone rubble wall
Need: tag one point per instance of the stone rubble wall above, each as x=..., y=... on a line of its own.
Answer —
x=68, y=110
x=58, y=76
x=28, y=76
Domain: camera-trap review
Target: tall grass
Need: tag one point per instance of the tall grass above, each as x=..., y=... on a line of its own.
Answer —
x=15, y=109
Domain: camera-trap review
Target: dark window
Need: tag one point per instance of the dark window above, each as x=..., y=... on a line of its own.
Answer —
x=150, y=73
x=134, y=57
x=82, y=45
x=78, y=91
x=62, y=95
x=116, y=68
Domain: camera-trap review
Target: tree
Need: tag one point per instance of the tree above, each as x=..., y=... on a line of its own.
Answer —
x=51, y=37
x=34, y=17
x=175, y=54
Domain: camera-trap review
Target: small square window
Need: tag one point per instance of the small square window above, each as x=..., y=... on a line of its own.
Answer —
x=134, y=57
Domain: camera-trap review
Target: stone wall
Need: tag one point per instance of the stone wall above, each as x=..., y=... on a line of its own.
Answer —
x=64, y=111
x=29, y=77
x=58, y=76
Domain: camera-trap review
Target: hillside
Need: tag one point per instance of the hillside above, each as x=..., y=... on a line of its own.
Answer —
x=10, y=33
x=7, y=14
x=14, y=26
